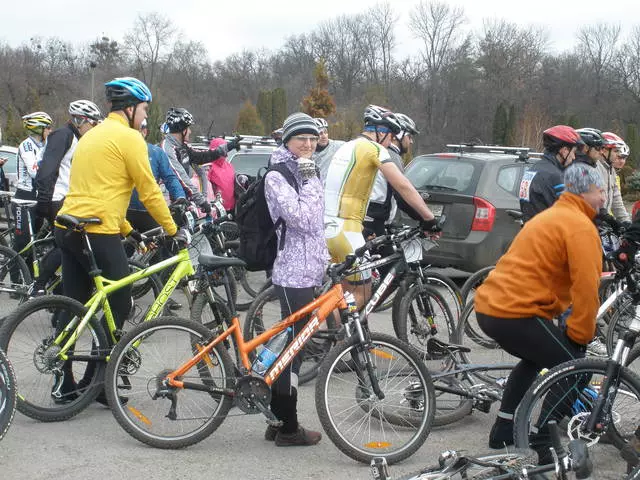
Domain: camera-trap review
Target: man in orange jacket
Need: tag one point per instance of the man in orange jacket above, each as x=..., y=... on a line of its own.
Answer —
x=554, y=261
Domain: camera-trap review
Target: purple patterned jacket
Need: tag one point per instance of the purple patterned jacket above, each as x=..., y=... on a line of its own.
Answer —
x=302, y=261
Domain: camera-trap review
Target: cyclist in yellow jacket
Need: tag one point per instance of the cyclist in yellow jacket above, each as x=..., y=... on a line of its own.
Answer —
x=109, y=161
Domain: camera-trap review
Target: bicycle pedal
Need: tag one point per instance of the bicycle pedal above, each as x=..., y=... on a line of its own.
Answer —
x=482, y=405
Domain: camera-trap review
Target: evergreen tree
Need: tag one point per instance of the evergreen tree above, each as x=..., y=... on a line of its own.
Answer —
x=249, y=121
x=265, y=109
x=12, y=133
x=319, y=103
x=500, y=125
x=155, y=118
x=278, y=108
x=632, y=139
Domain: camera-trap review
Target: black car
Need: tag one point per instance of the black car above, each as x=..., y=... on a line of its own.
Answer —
x=475, y=187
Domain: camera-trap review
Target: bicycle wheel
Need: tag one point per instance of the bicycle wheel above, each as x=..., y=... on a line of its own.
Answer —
x=144, y=292
x=7, y=394
x=214, y=315
x=623, y=312
x=158, y=415
x=566, y=394
x=265, y=312
x=474, y=281
x=480, y=467
x=355, y=418
x=420, y=314
x=27, y=338
x=470, y=335
x=15, y=279
x=252, y=283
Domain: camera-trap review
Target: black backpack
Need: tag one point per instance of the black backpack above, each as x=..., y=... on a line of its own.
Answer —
x=258, y=240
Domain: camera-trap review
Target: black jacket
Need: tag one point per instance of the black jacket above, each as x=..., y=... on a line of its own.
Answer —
x=58, y=143
x=541, y=186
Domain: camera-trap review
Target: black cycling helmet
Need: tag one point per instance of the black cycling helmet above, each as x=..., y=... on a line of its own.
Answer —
x=559, y=136
x=592, y=137
x=178, y=119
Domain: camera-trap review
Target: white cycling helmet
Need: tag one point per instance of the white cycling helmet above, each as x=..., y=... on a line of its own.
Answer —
x=321, y=123
x=407, y=124
x=85, y=109
x=375, y=116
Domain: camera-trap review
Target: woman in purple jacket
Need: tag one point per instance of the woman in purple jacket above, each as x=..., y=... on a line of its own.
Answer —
x=300, y=265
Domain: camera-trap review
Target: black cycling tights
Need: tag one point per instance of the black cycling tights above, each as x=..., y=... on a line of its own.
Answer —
x=284, y=390
x=537, y=342
x=111, y=260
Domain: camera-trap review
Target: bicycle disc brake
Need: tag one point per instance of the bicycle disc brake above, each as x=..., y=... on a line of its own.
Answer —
x=576, y=431
x=252, y=394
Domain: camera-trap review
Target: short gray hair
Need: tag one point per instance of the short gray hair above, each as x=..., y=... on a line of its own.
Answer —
x=579, y=176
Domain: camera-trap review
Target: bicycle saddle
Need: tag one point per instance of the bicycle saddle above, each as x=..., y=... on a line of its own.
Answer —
x=213, y=261
x=438, y=347
x=76, y=223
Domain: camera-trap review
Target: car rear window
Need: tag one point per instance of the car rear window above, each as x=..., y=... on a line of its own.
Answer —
x=12, y=160
x=249, y=164
x=444, y=174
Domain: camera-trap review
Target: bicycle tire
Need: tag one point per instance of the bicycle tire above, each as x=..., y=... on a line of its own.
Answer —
x=215, y=316
x=438, y=280
x=567, y=387
x=314, y=352
x=16, y=288
x=25, y=336
x=135, y=353
x=151, y=283
x=8, y=397
x=474, y=281
x=619, y=320
x=330, y=397
x=406, y=313
x=513, y=461
x=469, y=329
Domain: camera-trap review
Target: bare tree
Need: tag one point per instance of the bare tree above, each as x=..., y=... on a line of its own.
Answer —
x=627, y=64
x=379, y=58
x=597, y=45
x=150, y=44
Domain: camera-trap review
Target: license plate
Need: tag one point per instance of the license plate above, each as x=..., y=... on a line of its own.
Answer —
x=436, y=209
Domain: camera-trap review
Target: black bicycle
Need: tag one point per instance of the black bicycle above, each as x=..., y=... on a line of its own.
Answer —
x=7, y=394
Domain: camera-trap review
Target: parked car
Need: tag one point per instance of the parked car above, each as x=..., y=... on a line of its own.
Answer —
x=475, y=187
x=11, y=166
x=253, y=155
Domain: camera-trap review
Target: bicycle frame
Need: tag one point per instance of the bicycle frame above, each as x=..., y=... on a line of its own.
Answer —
x=324, y=304
x=104, y=287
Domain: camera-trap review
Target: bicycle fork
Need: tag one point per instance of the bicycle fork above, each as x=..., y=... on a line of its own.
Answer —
x=362, y=353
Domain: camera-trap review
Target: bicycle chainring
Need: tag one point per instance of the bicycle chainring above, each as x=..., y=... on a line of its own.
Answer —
x=249, y=391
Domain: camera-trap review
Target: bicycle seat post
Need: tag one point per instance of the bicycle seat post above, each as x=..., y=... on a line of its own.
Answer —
x=94, y=271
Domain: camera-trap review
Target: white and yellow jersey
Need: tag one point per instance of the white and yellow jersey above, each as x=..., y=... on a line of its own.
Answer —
x=350, y=178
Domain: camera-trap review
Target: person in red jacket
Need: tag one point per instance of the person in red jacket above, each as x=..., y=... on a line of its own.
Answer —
x=222, y=176
x=554, y=261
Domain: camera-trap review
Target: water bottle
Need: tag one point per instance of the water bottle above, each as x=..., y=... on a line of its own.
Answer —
x=270, y=352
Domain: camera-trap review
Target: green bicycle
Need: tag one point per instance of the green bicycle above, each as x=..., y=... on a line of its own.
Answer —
x=40, y=349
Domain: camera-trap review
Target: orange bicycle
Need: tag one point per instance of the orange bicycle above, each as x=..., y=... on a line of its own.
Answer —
x=171, y=382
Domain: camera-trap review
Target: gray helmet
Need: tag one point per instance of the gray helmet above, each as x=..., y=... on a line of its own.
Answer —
x=407, y=124
x=178, y=119
x=381, y=117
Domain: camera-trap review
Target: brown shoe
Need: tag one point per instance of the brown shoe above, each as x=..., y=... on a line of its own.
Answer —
x=300, y=438
x=271, y=432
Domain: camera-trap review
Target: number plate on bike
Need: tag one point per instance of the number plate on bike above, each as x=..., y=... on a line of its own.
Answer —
x=412, y=250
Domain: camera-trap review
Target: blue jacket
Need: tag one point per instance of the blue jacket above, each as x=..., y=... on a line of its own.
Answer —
x=162, y=171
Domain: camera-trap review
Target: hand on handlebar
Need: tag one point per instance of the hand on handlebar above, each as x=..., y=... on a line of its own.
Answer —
x=431, y=228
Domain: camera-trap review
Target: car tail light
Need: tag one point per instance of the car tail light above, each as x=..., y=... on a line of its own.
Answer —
x=484, y=217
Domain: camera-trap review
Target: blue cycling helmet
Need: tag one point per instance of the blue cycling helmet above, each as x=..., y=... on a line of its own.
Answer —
x=126, y=92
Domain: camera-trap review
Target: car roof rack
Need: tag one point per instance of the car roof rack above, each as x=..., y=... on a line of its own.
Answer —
x=523, y=153
x=251, y=141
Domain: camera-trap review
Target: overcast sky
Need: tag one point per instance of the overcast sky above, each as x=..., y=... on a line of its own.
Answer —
x=228, y=27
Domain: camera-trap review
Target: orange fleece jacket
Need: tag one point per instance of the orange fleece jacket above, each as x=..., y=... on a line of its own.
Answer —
x=555, y=261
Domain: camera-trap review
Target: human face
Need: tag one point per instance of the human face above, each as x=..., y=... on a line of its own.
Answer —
x=619, y=161
x=302, y=145
x=186, y=135
x=323, y=140
x=595, y=154
x=45, y=132
x=595, y=197
x=566, y=156
x=140, y=114
x=407, y=141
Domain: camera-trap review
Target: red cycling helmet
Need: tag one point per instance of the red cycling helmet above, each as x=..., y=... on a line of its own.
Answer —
x=559, y=136
x=611, y=140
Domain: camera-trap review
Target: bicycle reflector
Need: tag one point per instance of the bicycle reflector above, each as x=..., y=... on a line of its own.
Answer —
x=377, y=445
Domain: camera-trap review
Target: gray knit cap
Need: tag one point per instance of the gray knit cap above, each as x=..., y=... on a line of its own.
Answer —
x=579, y=176
x=298, y=123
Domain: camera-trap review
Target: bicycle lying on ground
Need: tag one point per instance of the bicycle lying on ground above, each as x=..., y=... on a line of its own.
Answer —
x=514, y=465
x=180, y=383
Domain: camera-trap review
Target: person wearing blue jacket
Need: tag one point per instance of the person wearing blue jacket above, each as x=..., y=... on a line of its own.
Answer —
x=137, y=215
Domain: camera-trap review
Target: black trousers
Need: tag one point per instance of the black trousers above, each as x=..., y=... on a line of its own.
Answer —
x=111, y=260
x=21, y=215
x=284, y=398
x=537, y=342
x=53, y=259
